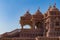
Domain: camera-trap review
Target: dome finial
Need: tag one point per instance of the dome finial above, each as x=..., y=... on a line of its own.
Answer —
x=38, y=9
x=27, y=11
x=49, y=6
x=54, y=4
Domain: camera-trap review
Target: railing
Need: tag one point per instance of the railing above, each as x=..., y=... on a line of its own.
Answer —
x=38, y=38
x=17, y=38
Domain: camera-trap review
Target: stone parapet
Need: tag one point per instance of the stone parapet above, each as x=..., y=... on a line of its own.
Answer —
x=37, y=38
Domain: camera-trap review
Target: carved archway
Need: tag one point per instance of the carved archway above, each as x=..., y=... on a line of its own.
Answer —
x=27, y=26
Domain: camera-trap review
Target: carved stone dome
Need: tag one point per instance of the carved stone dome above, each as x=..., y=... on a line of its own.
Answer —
x=37, y=16
x=53, y=9
x=38, y=12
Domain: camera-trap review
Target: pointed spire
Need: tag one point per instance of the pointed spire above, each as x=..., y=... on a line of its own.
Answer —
x=27, y=13
x=38, y=12
x=50, y=7
x=38, y=9
x=53, y=8
x=54, y=5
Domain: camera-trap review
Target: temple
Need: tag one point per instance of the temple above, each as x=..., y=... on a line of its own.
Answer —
x=43, y=26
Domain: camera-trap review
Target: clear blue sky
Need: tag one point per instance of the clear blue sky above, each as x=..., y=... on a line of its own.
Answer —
x=12, y=10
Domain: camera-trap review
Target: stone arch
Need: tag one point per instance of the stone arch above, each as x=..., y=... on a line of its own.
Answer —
x=27, y=26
